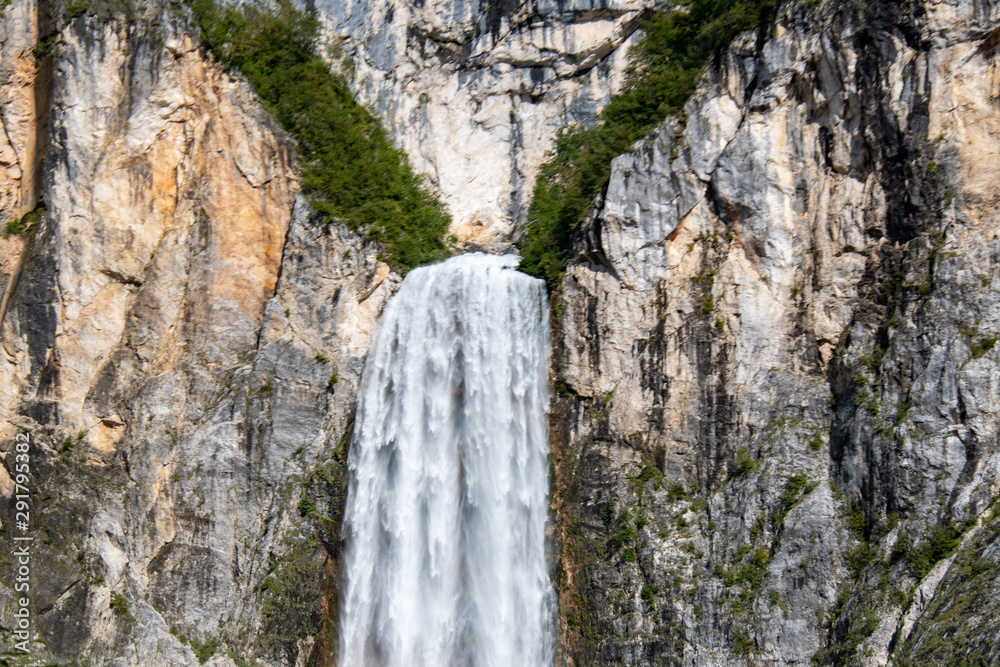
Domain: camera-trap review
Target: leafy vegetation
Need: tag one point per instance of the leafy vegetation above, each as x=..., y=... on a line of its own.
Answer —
x=75, y=8
x=983, y=346
x=649, y=473
x=608, y=513
x=666, y=65
x=856, y=521
x=648, y=594
x=742, y=644
x=623, y=534
x=860, y=557
x=290, y=608
x=790, y=496
x=307, y=506
x=676, y=493
x=351, y=171
x=942, y=541
x=752, y=572
x=119, y=605
x=816, y=443
x=949, y=632
x=21, y=225
x=745, y=463
x=747, y=572
x=205, y=651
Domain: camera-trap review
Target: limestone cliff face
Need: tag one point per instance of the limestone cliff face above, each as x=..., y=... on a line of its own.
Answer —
x=777, y=404
x=23, y=96
x=787, y=308
x=25, y=86
x=182, y=347
x=475, y=92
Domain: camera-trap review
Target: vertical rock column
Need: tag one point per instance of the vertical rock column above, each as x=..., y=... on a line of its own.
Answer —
x=25, y=96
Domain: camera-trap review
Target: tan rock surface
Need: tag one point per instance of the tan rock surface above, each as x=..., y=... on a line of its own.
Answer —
x=164, y=350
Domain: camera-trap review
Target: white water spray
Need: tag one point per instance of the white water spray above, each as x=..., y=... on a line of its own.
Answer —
x=445, y=519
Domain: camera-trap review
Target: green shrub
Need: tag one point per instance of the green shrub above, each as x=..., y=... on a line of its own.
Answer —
x=856, y=521
x=650, y=473
x=666, y=65
x=790, y=495
x=307, y=506
x=204, y=651
x=14, y=228
x=744, y=463
x=901, y=549
x=20, y=225
x=817, y=441
x=608, y=513
x=621, y=536
x=351, y=171
x=119, y=605
x=753, y=571
x=983, y=346
x=942, y=541
x=742, y=644
x=75, y=8
x=648, y=594
x=45, y=46
x=290, y=608
x=859, y=557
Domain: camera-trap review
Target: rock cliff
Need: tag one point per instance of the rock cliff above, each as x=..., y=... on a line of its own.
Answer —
x=475, y=92
x=182, y=348
x=776, y=356
x=776, y=400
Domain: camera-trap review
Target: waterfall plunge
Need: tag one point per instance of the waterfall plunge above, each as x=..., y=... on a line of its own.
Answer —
x=445, y=519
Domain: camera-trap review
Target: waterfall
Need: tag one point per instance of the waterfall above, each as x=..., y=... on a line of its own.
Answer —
x=444, y=528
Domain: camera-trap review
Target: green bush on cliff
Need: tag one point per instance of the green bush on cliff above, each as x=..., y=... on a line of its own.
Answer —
x=940, y=543
x=666, y=65
x=290, y=607
x=350, y=169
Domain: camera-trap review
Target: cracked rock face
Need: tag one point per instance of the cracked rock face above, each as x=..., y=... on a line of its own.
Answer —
x=475, y=92
x=777, y=407
x=183, y=349
x=19, y=102
x=786, y=308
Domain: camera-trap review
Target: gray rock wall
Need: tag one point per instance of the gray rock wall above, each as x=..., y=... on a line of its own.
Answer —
x=475, y=92
x=776, y=351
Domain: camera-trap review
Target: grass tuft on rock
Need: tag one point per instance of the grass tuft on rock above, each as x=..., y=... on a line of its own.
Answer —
x=667, y=63
x=119, y=605
x=351, y=172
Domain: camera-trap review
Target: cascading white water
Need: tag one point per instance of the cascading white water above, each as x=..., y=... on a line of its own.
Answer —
x=448, y=476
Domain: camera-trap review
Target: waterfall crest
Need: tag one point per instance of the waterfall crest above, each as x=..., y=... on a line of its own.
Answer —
x=448, y=476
